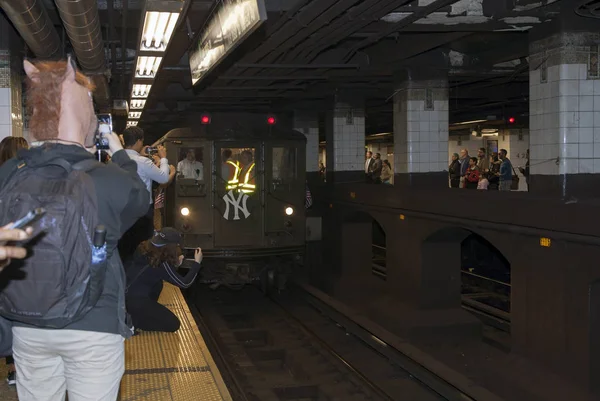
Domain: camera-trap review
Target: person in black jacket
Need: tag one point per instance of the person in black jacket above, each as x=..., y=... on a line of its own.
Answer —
x=156, y=260
x=86, y=358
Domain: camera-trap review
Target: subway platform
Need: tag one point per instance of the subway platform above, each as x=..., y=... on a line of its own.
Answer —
x=164, y=366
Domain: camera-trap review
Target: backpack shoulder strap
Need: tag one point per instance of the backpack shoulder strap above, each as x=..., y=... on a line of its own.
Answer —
x=86, y=165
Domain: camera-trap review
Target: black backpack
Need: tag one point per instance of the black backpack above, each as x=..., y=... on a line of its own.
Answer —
x=64, y=273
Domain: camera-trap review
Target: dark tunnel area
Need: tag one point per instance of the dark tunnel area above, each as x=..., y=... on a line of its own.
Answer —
x=485, y=275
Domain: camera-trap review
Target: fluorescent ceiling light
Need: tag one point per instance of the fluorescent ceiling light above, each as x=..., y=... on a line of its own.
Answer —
x=140, y=91
x=138, y=104
x=489, y=131
x=147, y=66
x=132, y=123
x=470, y=122
x=382, y=134
x=158, y=29
x=496, y=134
x=135, y=114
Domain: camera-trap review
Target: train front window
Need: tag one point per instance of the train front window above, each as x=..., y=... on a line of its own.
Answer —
x=238, y=169
x=191, y=164
x=284, y=165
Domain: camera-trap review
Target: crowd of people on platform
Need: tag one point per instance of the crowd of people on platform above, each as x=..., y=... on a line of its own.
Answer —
x=493, y=172
x=377, y=171
x=63, y=323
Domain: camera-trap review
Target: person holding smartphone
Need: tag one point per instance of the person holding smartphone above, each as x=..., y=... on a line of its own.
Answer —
x=133, y=139
x=155, y=261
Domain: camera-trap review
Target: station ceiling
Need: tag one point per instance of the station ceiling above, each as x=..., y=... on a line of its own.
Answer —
x=309, y=49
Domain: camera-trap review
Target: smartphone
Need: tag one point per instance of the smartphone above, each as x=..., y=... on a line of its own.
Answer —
x=24, y=222
x=105, y=126
x=29, y=218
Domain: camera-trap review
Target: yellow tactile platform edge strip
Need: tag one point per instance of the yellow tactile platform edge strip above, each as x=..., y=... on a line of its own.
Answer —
x=172, y=366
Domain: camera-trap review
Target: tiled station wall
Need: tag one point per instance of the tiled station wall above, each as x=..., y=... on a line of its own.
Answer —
x=11, y=102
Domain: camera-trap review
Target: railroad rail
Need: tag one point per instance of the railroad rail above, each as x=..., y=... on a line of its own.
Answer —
x=298, y=345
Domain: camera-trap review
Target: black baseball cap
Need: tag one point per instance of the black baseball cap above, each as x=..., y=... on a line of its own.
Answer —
x=167, y=235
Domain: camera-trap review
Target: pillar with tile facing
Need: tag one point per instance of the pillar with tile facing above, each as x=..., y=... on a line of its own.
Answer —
x=307, y=122
x=345, y=136
x=565, y=114
x=421, y=132
x=11, y=59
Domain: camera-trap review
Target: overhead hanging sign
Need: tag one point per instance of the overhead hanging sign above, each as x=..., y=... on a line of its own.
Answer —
x=231, y=23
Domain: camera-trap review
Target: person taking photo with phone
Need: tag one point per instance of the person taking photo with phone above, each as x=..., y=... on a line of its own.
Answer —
x=155, y=261
x=133, y=141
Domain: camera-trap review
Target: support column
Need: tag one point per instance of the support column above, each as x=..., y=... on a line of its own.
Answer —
x=564, y=107
x=307, y=122
x=11, y=103
x=345, y=136
x=421, y=132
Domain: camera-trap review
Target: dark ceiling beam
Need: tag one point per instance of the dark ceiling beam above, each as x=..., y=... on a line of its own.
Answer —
x=299, y=16
x=299, y=66
x=386, y=52
x=352, y=21
x=273, y=78
x=417, y=15
x=489, y=26
x=322, y=20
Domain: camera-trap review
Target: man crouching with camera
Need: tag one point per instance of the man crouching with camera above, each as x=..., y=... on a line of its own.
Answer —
x=143, y=229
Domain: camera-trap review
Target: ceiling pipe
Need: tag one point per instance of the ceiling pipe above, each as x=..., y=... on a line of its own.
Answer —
x=34, y=25
x=82, y=23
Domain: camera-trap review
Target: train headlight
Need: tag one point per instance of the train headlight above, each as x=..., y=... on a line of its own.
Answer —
x=185, y=211
x=289, y=210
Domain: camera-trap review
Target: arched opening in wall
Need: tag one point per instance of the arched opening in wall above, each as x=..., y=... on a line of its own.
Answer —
x=378, y=251
x=485, y=281
x=364, y=246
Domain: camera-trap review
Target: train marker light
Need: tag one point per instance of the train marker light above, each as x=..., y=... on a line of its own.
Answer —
x=511, y=120
x=289, y=210
x=185, y=211
x=205, y=119
x=545, y=242
x=271, y=121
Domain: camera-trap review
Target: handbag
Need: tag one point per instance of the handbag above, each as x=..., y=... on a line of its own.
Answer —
x=514, y=185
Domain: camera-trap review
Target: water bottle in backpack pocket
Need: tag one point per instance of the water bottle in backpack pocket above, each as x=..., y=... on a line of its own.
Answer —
x=63, y=276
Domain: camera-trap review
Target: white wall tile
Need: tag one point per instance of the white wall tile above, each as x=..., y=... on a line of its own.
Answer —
x=568, y=88
x=586, y=103
x=586, y=150
x=586, y=88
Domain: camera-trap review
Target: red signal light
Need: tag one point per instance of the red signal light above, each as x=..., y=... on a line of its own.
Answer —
x=271, y=121
x=205, y=120
x=511, y=120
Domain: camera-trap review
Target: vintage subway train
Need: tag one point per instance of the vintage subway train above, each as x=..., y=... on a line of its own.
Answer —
x=239, y=193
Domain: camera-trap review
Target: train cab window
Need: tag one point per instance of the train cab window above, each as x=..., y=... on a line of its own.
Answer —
x=190, y=165
x=238, y=169
x=284, y=165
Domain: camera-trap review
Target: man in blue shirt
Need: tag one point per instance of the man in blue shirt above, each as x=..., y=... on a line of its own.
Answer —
x=505, y=171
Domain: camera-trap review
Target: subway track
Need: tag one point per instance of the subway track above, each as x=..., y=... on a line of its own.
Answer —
x=294, y=346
